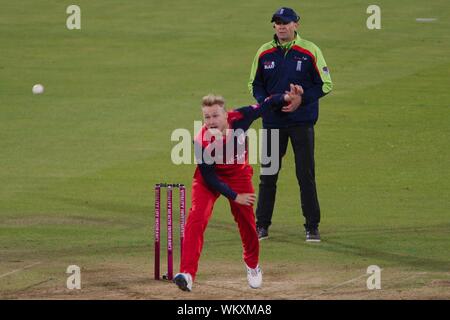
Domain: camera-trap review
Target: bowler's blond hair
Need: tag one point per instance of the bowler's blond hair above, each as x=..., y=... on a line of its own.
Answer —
x=212, y=99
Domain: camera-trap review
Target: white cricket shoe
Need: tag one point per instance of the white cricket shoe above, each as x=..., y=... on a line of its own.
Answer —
x=183, y=281
x=254, y=277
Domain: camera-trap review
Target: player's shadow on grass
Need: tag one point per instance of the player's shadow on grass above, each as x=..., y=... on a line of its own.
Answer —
x=377, y=254
x=332, y=242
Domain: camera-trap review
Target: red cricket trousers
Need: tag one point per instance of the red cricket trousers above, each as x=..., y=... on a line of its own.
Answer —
x=203, y=199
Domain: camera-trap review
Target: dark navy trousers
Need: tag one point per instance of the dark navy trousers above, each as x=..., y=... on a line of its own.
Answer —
x=302, y=140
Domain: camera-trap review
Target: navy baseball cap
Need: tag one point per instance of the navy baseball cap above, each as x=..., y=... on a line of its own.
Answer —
x=286, y=15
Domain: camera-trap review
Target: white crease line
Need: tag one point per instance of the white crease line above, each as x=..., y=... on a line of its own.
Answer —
x=338, y=285
x=426, y=19
x=17, y=270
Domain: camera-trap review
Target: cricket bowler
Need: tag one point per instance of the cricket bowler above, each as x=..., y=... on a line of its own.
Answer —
x=223, y=169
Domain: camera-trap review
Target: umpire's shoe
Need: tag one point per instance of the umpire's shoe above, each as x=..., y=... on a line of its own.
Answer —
x=312, y=235
x=263, y=233
x=183, y=281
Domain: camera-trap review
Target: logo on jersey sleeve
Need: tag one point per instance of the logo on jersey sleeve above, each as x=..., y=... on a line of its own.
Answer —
x=269, y=65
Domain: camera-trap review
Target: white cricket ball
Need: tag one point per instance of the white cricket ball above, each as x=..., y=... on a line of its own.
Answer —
x=38, y=88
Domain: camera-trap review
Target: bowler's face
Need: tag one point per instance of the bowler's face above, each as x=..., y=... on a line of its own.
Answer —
x=285, y=31
x=215, y=117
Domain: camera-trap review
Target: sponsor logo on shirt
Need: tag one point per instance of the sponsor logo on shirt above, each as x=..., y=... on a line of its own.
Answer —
x=269, y=65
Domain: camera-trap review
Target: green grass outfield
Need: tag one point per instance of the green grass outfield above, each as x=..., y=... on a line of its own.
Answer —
x=78, y=163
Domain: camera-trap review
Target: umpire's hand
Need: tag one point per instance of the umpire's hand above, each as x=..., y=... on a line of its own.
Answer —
x=294, y=97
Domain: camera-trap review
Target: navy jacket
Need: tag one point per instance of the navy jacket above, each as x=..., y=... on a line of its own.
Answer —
x=298, y=62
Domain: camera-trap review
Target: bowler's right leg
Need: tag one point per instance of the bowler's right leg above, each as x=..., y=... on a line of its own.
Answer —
x=201, y=209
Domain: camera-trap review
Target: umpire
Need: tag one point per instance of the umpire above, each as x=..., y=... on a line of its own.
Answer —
x=290, y=59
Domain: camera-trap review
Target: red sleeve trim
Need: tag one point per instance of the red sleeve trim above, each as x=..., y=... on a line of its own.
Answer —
x=267, y=52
